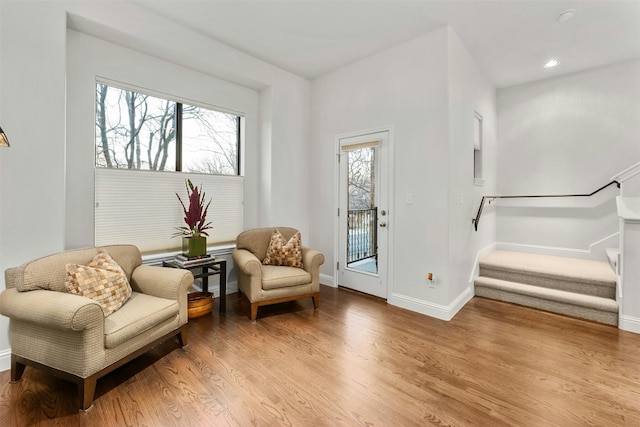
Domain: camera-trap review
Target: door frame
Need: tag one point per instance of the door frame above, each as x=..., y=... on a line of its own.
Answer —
x=391, y=201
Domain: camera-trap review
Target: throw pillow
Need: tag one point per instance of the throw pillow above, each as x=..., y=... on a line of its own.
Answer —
x=281, y=252
x=103, y=280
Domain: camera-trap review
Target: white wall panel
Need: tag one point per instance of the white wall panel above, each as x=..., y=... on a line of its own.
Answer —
x=562, y=136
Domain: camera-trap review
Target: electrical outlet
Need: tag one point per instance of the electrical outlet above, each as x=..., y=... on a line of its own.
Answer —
x=431, y=280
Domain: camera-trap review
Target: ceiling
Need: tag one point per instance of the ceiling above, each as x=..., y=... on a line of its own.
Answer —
x=511, y=40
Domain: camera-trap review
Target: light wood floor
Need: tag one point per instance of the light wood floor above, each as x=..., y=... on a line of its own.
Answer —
x=357, y=361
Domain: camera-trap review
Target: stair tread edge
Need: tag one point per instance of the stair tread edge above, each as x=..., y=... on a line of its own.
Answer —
x=608, y=282
x=548, y=293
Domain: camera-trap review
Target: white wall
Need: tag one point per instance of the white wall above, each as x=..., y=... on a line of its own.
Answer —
x=4, y=338
x=42, y=189
x=469, y=93
x=407, y=87
x=566, y=135
x=33, y=93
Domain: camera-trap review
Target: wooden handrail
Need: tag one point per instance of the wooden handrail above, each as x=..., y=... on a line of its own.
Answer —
x=476, y=220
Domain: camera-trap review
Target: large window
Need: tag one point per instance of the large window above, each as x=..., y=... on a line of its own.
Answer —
x=145, y=148
x=139, y=131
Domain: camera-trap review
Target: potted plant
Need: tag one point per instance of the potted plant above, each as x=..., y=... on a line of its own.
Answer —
x=194, y=234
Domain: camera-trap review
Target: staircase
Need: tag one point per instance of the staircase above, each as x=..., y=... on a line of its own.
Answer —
x=570, y=286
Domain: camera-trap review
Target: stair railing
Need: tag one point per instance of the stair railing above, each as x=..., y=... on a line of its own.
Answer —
x=476, y=220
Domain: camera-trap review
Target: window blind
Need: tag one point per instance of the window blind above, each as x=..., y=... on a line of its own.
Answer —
x=141, y=207
x=360, y=145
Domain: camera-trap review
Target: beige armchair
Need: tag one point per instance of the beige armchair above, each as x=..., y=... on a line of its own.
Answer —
x=69, y=335
x=271, y=284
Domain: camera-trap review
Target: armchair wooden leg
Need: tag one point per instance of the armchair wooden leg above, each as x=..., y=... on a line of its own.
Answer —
x=86, y=390
x=183, y=336
x=254, y=312
x=316, y=300
x=17, y=369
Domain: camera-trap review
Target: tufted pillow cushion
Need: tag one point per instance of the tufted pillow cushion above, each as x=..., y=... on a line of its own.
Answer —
x=103, y=280
x=281, y=252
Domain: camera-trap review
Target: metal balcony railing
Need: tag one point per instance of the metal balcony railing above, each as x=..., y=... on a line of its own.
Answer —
x=362, y=234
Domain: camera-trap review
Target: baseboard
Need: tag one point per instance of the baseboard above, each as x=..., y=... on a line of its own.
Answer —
x=596, y=250
x=476, y=263
x=5, y=360
x=628, y=323
x=442, y=312
x=325, y=279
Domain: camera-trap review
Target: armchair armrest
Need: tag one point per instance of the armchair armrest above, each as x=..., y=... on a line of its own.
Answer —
x=247, y=262
x=57, y=310
x=312, y=260
x=162, y=282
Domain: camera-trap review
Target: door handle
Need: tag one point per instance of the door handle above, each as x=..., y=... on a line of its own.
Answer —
x=383, y=224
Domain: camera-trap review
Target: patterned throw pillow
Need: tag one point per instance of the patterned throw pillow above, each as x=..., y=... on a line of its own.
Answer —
x=103, y=280
x=281, y=252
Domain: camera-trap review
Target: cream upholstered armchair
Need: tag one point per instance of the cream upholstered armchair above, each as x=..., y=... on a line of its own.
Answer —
x=262, y=280
x=79, y=338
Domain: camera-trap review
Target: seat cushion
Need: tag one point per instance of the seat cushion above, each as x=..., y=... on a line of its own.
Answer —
x=274, y=277
x=140, y=313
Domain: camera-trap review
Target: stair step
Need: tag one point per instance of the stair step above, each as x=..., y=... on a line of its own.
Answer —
x=604, y=310
x=581, y=276
x=570, y=286
x=612, y=256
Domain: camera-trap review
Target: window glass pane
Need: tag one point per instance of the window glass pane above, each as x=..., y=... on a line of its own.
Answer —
x=362, y=221
x=134, y=131
x=209, y=141
x=361, y=178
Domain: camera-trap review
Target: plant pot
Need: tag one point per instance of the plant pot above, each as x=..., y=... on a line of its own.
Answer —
x=194, y=246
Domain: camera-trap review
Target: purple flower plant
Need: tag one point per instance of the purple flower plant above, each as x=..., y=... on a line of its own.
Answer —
x=196, y=215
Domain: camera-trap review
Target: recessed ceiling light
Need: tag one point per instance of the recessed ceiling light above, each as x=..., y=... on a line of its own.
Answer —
x=566, y=15
x=551, y=63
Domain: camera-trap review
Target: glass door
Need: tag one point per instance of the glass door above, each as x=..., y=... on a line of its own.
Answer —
x=363, y=216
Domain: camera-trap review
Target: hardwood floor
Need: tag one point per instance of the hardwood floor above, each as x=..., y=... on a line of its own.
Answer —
x=357, y=361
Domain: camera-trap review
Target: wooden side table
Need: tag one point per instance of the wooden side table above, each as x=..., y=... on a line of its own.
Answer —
x=207, y=269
